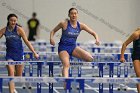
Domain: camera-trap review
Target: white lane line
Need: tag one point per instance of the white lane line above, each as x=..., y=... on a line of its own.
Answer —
x=53, y=88
x=91, y=88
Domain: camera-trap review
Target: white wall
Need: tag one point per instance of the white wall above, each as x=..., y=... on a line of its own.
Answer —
x=111, y=19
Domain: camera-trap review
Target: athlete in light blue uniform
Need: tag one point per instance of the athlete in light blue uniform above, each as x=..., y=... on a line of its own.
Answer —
x=67, y=46
x=14, y=52
x=68, y=39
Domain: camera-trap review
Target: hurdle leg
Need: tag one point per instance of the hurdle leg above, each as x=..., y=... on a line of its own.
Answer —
x=79, y=69
x=70, y=69
x=24, y=71
x=39, y=74
x=101, y=75
x=125, y=75
x=1, y=81
x=52, y=49
x=70, y=72
x=50, y=75
x=28, y=57
x=132, y=74
x=119, y=75
x=125, y=71
x=79, y=75
x=70, y=75
x=68, y=86
x=118, y=71
x=30, y=74
x=81, y=86
x=23, y=74
x=111, y=72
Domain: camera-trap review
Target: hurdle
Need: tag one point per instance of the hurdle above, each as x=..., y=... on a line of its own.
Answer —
x=73, y=79
x=81, y=82
x=78, y=64
x=39, y=69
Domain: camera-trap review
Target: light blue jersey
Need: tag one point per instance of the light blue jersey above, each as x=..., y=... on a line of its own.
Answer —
x=14, y=48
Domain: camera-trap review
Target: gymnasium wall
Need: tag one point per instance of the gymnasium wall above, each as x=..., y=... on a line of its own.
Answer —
x=111, y=19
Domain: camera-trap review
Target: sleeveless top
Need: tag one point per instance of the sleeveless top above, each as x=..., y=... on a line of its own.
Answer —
x=136, y=46
x=13, y=43
x=69, y=36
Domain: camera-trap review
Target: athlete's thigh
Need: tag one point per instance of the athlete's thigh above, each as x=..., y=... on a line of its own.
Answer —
x=82, y=54
x=19, y=69
x=64, y=57
x=136, y=64
x=10, y=68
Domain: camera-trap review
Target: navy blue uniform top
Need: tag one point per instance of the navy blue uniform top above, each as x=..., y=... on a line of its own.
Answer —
x=69, y=36
x=14, y=46
x=136, y=50
x=136, y=46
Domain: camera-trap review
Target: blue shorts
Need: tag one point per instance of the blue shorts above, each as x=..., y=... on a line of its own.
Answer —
x=15, y=57
x=68, y=48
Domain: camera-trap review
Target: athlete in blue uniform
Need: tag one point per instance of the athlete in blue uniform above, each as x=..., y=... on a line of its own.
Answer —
x=68, y=39
x=14, y=48
x=135, y=38
x=67, y=46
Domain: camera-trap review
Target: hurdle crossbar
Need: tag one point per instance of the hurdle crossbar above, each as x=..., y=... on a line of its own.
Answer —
x=74, y=79
x=72, y=63
x=19, y=62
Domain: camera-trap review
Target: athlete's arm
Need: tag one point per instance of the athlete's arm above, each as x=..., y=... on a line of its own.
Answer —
x=90, y=31
x=2, y=31
x=133, y=37
x=24, y=37
x=59, y=26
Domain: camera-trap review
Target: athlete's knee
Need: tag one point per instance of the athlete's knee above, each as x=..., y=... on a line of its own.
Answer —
x=11, y=73
x=66, y=65
x=89, y=59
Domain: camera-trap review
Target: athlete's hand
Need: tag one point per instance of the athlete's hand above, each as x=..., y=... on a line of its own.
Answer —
x=36, y=56
x=122, y=59
x=52, y=42
x=97, y=42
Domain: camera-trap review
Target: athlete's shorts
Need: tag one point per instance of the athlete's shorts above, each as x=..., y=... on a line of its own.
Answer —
x=15, y=57
x=135, y=56
x=68, y=48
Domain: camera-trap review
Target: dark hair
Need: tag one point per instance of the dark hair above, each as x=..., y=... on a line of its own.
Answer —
x=34, y=14
x=72, y=9
x=9, y=16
